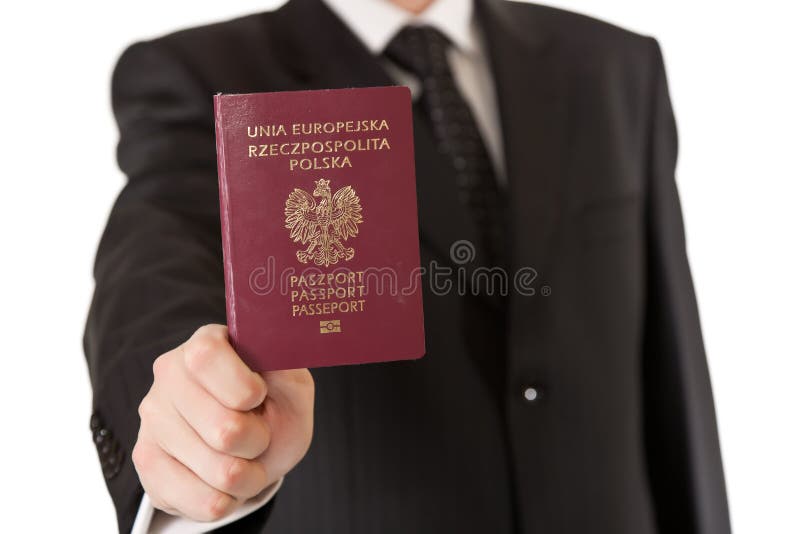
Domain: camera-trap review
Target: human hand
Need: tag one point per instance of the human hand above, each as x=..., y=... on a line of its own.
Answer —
x=213, y=433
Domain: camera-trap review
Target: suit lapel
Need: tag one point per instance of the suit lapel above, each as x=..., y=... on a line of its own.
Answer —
x=531, y=95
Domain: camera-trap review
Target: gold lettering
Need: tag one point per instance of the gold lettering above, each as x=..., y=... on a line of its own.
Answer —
x=266, y=130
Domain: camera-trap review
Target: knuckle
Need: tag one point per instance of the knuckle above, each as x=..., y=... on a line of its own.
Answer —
x=147, y=408
x=250, y=394
x=231, y=432
x=234, y=473
x=210, y=331
x=216, y=506
x=141, y=457
x=303, y=380
x=306, y=378
x=160, y=365
x=199, y=353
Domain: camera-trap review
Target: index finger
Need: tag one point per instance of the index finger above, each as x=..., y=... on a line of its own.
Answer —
x=211, y=362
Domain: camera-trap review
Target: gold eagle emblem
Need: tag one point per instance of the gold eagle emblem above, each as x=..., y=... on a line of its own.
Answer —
x=324, y=225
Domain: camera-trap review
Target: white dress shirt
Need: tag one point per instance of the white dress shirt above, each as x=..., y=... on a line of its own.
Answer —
x=376, y=22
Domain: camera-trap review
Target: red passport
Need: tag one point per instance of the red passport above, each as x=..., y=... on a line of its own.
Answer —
x=319, y=227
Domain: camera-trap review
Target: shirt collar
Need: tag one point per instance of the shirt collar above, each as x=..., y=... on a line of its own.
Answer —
x=376, y=22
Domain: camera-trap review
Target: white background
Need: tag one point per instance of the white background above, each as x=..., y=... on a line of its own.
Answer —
x=733, y=70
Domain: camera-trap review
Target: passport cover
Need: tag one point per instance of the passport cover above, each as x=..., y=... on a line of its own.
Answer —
x=319, y=227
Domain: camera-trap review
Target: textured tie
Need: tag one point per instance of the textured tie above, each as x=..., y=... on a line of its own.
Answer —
x=422, y=50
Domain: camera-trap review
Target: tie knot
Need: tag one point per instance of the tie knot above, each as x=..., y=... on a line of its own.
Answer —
x=422, y=50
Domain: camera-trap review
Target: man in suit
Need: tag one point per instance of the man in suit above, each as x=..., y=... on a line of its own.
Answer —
x=543, y=137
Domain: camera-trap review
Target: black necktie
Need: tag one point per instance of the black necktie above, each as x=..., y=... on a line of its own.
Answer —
x=422, y=50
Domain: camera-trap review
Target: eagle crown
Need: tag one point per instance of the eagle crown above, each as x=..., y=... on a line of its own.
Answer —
x=323, y=188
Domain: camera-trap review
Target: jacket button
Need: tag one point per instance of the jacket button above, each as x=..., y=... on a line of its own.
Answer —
x=108, y=449
x=94, y=422
x=530, y=394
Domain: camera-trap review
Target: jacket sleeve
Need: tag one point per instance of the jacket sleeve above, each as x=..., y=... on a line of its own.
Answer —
x=158, y=269
x=683, y=451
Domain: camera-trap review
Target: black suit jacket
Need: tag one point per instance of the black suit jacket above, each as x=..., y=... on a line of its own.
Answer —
x=622, y=437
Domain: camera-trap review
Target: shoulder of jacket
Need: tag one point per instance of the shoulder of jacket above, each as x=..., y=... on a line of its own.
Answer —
x=581, y=35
